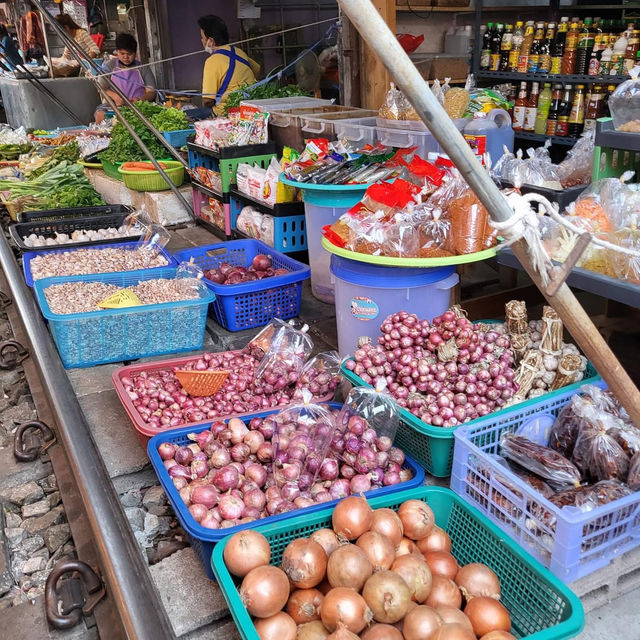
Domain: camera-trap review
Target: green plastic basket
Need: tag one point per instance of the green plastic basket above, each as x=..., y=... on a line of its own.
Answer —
x=432, y=446
x=111, y=169
x=541, y=606
x=152, y=180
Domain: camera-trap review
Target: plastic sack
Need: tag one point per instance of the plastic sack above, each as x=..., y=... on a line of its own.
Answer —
x=267, y=229
x=282, y=365
x=321, y=375
x=597, y=454
x=577, y=166
x=625, y=266
x=436, y=240
x=633, y=479
x=624, y=104
x=302, y=437
x=627, y=436
x=249, y=222
x=402, y=237
x=546, y=463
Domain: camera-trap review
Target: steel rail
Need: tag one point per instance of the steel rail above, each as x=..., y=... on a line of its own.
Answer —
x=127, y=576
x=80, y=56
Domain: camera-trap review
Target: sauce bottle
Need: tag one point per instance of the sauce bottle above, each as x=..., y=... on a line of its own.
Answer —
x=496, y=42
x=606, y=57
x=531, y=109
x=554, y=110
x=633, y=45
x=516, y=43
x=519, y=108
x=527, y=41
x=544, y=105
x=584, y=48
x=562, y=128
x=485, y=54
x=505, y=47
x=536, y=48
x=619, y=50
x=558, y=46
x=606, y=113
x=576, y=117
x=570, y=49
x=594, y=107
x=545, y=49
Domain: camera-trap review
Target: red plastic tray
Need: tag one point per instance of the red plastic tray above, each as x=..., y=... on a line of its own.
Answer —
x=145, y=431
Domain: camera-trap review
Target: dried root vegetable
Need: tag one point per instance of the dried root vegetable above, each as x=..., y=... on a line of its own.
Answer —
x=528, y=371
x=568, y=369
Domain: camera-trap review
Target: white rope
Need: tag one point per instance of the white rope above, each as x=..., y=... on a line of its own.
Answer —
x=238, y=42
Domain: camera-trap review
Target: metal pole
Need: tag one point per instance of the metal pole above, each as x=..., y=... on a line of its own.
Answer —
x=126, y=574
x=46, y=45
x=78, y=54
x=380, y=38
x=34, y=81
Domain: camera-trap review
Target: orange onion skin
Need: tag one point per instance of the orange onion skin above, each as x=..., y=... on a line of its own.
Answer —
x=417, y=519
x=265, y=591
x=246, y=550
x=379, y=550
x=487, y=614
x=351, y=517
x=387, y=595
x=416, y=573
x=477, y=579
x=405, y=547
x=277, y=627
x=387, y=523
x=421, y=623
x=348, y=566
x=444, y=593
x=327, y=539
x=305, y=563
x=498, y=634
x=442, y=563
x=347, y=607
x=380, y=631
x=312, y=631
x=453, y=631
x=450, y=615
x=437, y=540
x=304, y=605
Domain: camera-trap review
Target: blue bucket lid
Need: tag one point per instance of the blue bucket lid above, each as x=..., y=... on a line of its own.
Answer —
x=373, y=275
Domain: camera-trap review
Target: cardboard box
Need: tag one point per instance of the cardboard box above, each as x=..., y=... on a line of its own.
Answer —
x=455, y=68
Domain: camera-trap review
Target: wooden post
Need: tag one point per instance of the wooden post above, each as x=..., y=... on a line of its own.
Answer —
x=374, y=77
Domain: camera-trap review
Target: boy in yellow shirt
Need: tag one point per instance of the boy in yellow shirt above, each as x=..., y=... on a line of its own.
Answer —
x=227, y=68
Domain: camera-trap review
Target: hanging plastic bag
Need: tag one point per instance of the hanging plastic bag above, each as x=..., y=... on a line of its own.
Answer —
x=283, y=363
x=624, y=104
x=320, y=375
x=302, y=437
x=546, y=463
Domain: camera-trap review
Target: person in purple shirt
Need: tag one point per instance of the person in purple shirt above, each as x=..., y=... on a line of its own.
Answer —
x=136, y=83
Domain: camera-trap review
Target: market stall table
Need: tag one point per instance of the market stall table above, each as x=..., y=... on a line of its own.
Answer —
x=26, y=106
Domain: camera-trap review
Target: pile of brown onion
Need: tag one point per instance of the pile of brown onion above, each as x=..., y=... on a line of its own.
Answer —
x=376, y=575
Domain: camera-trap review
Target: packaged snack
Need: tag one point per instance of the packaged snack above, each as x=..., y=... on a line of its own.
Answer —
x=302, y=437
x=624, y=104
x=249, y=222
x=456, y=101
x=601, y=493
x=577, y=166
x=544, y=462
x=395, y=104
x=471, y=226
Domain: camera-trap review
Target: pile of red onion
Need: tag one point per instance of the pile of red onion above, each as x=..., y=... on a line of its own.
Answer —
x=161, y=401
x=446, y=372
x=261, y=267
x=225, y=475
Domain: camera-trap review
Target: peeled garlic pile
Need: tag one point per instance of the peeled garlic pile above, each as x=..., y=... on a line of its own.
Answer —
x=80, y=235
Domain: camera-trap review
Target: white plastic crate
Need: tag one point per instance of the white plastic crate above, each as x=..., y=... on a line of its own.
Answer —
x=579, y=542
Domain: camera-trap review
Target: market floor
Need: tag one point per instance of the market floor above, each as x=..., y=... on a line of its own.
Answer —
x=617, y=620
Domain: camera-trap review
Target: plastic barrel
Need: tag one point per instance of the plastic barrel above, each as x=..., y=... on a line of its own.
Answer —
x=365, y=294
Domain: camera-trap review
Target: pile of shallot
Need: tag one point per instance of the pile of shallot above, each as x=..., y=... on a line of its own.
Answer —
x=261, y=267
x=446, y=372
x=225, y=475
x=383, y=574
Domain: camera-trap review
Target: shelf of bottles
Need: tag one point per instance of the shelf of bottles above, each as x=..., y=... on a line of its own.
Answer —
x=542, y=76
x=540, y=137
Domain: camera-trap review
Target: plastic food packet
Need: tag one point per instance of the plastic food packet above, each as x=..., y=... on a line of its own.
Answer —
x=577, y=166
x=633, y=479
x=402, y=237
x=375, y=408
x=436, y=239
x=259, y=345
x=302, y=437
x=190, y=276
x=597, y=454
x=544, y=462
x=155, y=238
x=470, y=224
x=395, y=104
x=628, y=437
x=624, y=104
x=601, y=493
x=267, y=230
x=321, y=375
x=282, y=365
x=625, y=266
x=437, y=91
x=456, y=101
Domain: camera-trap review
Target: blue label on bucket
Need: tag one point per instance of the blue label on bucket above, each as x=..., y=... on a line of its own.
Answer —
x=364, y=308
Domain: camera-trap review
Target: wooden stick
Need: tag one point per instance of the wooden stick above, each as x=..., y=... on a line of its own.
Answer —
x=384, y=43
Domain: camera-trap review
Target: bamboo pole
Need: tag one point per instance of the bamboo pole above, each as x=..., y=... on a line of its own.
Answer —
x=383, y=41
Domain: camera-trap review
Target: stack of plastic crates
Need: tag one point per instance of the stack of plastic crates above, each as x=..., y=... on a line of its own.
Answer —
x=223, y=162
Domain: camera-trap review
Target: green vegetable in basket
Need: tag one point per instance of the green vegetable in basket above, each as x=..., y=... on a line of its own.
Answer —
x=263, y=92
x=12, y=151
x=170, y=119
x=69, y=152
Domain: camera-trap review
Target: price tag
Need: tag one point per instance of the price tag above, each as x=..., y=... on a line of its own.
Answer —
x=120, y=299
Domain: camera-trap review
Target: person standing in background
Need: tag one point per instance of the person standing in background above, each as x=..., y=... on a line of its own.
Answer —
x=227, y=68
x=8, y=49
x=80, y=35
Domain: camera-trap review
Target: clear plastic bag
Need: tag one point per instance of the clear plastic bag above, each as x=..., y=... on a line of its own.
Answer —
x=577, y=167
x=633, y=479
x=401, y=238
x=624, y=104
x=259, y=345
x=601, y=493
x=320, y=375
x=544, y=462
x=456, y=101
x=282, y=365
x=189, y=276
x=155, y=238
x=395, y=105
x=470, y=224
x=302, y=438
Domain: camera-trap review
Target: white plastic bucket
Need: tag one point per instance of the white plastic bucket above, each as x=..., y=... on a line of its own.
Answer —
x=365, y=294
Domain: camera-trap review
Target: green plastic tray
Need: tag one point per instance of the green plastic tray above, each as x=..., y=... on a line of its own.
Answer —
x=541, y=606
x=432, y=446
x=409, y=262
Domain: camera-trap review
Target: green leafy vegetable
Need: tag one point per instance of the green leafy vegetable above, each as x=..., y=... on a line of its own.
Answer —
x=170, y=119
x=263, y=92
x=69, y=152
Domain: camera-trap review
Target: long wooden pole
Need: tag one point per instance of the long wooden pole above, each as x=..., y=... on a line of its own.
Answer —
x=384, y=43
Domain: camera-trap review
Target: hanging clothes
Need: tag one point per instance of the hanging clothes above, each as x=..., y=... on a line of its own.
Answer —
x=31, y=35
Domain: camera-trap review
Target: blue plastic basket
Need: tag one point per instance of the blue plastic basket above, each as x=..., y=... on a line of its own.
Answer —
x=179, y=137
x=580, y=542
x=28, y=256
x=289, y=232
x=113, y=335
x=203, y=539
x=250, y=304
